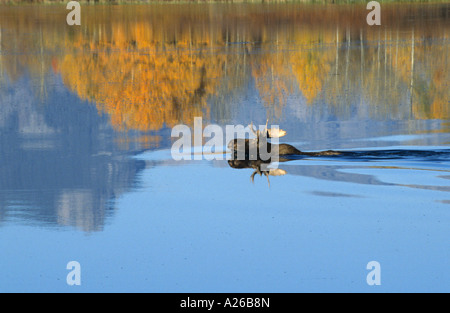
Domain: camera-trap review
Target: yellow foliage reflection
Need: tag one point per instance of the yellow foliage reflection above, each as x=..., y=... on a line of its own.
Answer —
x=148, y=67
x=140, y=84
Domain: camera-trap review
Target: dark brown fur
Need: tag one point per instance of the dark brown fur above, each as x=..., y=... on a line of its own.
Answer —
x=283, y=149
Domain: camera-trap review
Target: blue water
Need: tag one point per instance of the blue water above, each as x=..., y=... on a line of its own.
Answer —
x=140, y=221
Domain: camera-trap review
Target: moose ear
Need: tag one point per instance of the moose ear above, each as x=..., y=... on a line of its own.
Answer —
x=276, y=133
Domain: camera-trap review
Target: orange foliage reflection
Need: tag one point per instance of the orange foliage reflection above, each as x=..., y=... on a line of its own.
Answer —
x=149, y=67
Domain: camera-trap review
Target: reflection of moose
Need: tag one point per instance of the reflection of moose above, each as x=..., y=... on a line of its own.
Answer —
x=247, y=153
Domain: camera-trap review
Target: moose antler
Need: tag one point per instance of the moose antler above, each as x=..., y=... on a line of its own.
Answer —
x=269, y=133
x=275, y=132
x=253, y=130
